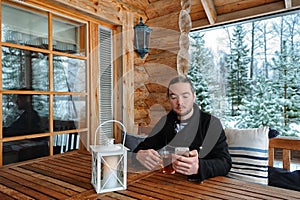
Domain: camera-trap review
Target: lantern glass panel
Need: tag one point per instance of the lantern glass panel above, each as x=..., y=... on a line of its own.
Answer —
x=112, y=175
x=140, y=38
x=147, y=40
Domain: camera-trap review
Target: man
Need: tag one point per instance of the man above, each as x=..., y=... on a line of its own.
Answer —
x=29, y=121
x=186, y=126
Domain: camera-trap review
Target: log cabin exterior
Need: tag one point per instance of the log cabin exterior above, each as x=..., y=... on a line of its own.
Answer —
x=139, y=85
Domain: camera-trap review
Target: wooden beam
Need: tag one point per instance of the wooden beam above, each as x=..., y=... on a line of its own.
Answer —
x=245, y=14
x=210, y=10
x=288, y=3
x=285, y=143
x=128, y=71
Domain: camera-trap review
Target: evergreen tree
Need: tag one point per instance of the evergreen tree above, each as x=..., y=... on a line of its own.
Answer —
x=237, y=63
x=201, y=63
x=286, y=71
x=262, y=108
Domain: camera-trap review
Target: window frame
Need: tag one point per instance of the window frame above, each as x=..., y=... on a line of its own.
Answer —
x=91, y=25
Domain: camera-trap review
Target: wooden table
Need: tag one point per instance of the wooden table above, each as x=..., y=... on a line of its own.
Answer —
x=68, y=176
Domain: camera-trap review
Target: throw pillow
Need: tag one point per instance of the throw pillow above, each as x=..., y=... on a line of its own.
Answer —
x=132, y=140
x=249, y=152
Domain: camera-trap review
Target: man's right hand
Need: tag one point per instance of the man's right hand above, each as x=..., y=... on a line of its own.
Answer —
x=149, y=159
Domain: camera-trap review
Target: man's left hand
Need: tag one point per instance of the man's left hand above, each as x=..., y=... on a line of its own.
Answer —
x=186, y=165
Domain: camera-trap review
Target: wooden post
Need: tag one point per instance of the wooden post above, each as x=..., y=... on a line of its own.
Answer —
x=128, y=71
x=286, y=159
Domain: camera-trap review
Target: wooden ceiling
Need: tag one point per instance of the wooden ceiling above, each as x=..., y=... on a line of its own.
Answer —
x=206, y=13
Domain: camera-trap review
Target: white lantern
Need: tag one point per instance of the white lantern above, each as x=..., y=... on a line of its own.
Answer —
x=109, y=164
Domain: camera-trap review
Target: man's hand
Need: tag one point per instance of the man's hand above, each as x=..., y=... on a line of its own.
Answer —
x=149, y=159
x=186, y=165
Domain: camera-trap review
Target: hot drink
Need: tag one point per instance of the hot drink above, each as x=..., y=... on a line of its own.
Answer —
x=166, y=155
x=167, y=164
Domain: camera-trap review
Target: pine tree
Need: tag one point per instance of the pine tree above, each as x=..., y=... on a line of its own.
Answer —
x=237, y=63
x=263, y=108
x=286, y=72
x=201, y=62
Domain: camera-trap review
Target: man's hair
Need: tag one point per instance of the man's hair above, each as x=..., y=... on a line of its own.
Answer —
x=25, y=96
x=181, y=79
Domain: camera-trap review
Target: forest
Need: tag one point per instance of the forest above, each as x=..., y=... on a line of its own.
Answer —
x=248, y=74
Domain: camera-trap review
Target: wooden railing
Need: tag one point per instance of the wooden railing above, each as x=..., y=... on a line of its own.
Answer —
x=287, y=145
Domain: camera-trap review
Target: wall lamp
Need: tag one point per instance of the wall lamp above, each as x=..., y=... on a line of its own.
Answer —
x=142, y=38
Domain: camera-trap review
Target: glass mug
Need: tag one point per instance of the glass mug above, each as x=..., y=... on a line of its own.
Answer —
x=166, y=155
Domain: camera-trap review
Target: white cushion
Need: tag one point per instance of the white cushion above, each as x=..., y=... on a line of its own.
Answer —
x=249, y=153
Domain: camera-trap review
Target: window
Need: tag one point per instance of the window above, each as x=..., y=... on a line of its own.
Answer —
x=248, y=73
x=44, y=82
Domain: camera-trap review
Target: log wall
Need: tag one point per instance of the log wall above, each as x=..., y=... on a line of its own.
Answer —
x=160, y=64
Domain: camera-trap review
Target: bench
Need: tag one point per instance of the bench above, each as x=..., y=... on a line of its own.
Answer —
x=287, y=144
x=283, y=177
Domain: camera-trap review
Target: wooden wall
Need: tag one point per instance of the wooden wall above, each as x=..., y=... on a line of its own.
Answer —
x=152, y=74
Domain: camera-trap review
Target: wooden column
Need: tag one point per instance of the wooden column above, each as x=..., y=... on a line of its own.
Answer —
x=128, y=71
x=185, y=25
x=93, y=84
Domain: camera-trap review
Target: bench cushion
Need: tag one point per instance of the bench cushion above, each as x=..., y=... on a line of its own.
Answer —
x=279, y=177
x=132, y=140
x=249, y=152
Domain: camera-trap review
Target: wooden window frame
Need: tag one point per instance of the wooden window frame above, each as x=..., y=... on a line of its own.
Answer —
x=90, y=22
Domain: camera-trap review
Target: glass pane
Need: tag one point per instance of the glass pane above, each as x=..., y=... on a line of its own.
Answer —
x=69, y=74
x=69, y=36
x=24, y=114
x=65, y=142
x=69, y=112
x=24, y=69
x=24, y=27
x=21, y=150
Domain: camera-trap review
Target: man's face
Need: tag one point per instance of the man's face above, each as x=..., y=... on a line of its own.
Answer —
x=182, y=98
x=22, y=102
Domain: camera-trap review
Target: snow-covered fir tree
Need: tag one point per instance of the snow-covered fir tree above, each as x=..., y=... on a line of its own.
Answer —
x=237, y=63
x=262, y=108
x=201, y=61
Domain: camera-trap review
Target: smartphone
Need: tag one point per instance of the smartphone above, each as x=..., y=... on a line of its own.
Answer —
x=182, y=151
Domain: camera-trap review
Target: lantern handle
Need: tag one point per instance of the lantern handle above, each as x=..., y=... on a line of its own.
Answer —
x=116, y=121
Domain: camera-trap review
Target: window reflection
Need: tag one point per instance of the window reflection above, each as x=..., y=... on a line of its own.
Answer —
x=23, y=27
x=26, y=88
x=69, y=74
x=21, y=68
x=68, y=36
x=21, y=150
x=69, y=112
x=65, y=142
x=24, y=114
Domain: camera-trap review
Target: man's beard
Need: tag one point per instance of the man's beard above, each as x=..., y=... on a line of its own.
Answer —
x=185, y=113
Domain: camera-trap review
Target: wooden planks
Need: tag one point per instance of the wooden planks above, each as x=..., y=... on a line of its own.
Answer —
x=67, y=176
x=161, y=186
x=58, y=177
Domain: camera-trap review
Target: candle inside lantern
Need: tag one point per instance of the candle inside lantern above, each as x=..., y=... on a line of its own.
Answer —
x=110, y=172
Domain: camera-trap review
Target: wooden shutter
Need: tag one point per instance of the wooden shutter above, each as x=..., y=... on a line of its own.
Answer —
x=105, y=80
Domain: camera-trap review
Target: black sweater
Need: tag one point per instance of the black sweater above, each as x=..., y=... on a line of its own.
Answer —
x=204, y=133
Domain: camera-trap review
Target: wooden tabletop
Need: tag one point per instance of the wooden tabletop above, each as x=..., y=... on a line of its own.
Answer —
x=68, y=176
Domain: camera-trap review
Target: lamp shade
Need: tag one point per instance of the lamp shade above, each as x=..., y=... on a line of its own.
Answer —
x=142, y=38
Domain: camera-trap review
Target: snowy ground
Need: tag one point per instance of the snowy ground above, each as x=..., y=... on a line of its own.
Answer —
x=294, y=165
